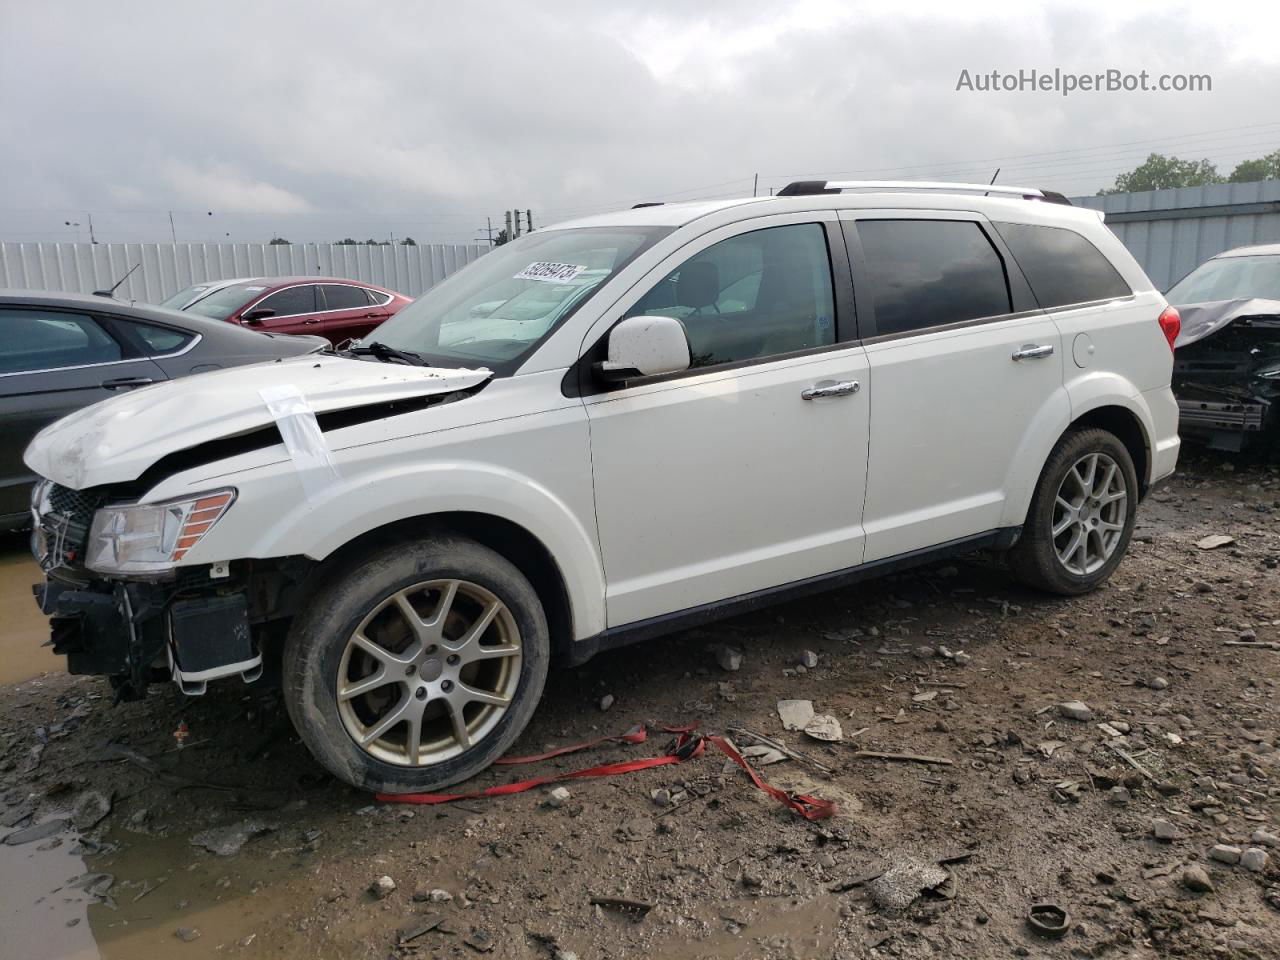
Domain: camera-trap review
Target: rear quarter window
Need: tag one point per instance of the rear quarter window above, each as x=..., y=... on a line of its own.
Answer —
x=1062, y=266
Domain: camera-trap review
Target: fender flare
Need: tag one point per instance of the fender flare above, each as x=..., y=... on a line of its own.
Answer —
x=417, y=490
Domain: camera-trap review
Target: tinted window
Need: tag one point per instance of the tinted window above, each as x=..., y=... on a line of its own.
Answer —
x=925, y=273
x=342, y=297
x=1062, y=266
x=46, y=340
x=222, y=303
x=291, y=301
x=160, y=339
x=755, y=295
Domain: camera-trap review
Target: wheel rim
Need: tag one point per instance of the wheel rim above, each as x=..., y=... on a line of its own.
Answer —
x=429, y=672
x=1089, y=513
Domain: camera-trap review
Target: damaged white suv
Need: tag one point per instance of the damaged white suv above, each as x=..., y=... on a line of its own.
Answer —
x=607, y=430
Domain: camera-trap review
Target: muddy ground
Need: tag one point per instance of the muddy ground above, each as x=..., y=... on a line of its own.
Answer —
x=1032, y=807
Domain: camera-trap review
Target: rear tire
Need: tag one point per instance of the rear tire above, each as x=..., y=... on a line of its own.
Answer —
x=416, y=665
x=1081, y=516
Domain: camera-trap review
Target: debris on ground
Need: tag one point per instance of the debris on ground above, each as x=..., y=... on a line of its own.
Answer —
x=558, y=797
x=227, y=841
x=90, y=809
x=729, y=658
x=824, y=727
x=795, y=714
x=1214, y=541
x=1075, y=710
x=904, y=882
x=382, y=887
x=1048, y=920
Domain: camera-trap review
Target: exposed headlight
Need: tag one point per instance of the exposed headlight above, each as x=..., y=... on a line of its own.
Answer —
x=152, y=537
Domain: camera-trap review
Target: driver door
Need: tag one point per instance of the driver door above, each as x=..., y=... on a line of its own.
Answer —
x=724, y=480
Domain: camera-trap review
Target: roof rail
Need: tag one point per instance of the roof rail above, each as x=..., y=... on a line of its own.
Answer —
x=804, y=188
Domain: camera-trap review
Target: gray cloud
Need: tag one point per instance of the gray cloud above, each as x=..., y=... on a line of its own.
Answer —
x=335, y=119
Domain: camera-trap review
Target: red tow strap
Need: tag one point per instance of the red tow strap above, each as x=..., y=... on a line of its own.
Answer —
x=687, y=745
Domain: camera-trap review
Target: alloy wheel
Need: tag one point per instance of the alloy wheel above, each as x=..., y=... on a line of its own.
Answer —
x=429, y=672
x=1089, y=513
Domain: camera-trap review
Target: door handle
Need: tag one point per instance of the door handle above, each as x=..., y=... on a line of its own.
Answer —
x=1033, y=351
x=312, y=320
x=840, y=388
x=127, y=383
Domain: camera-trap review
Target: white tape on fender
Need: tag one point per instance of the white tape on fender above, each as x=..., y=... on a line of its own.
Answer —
x=302, y=437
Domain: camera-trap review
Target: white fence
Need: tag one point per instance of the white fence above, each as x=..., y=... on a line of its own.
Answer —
x=167, y=268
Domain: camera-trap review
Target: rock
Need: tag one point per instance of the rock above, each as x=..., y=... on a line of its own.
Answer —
x=1118, y=796
x=1202, y=586
x=809, y=660
x=1264, y=839
x=1158, y=683
x=1196, y=880
x=1254, y=859
x=661, y=796
x=926, y=653
x=762, y=756
x=1075, y=710
x=729, y=658
x=382, y=888
x=1224, y=853
x=187, y=934
x=606, y=702
x=1162, y=829
x=480, y=940
x=558, y=797
x=961, y=659
x=794, y=714
x=91, y=807
x=641, y=828
x=1122, y=726
x=824, y=727
x=1214, y=541
x=227, y=841
x=439, y=896
x=37, y=831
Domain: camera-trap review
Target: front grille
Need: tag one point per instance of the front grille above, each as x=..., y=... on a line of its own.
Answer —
x=63, y=519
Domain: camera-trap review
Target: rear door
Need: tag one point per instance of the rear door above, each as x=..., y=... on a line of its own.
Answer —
x=294, y=309
x=963, y=367
x=53, y=362
x=348, y=312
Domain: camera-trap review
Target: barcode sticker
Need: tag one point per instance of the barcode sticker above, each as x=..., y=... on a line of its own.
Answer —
x=549, y=272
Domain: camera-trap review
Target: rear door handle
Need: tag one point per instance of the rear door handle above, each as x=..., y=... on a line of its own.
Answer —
x=127, y=383
x=1033, y=351
x=839, y=388
x=311, y=320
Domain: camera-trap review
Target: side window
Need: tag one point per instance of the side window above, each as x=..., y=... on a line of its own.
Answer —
x=32, y=340
x=926, y=273
x=377, y=298
x=291, y=301
x=159, y=339
x=1062, y=266
x=755, y=295
x=339, y=296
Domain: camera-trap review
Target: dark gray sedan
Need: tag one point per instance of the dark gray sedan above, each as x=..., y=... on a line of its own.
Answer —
x=60, y=352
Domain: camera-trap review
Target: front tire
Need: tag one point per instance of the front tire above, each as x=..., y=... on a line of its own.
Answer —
x=1081, y=516
x=416, y=665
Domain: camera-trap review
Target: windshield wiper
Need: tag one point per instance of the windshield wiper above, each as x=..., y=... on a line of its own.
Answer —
x=386, y=354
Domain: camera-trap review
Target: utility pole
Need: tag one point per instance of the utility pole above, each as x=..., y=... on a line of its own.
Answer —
x=528, y=220
x=516, y=214
x=755, y=184
x=509, y=233
x=92, y=238
x=172, y=232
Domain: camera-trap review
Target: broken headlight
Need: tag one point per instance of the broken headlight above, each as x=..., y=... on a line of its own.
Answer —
x=152, y=537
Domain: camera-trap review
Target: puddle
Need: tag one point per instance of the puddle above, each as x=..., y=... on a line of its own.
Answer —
x=26, y=628
x=42, y=916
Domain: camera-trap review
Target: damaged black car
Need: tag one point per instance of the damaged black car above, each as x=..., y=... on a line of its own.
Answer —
x=1226, y=372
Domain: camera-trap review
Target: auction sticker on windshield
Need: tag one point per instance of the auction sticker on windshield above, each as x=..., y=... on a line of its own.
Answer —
x=549, y=272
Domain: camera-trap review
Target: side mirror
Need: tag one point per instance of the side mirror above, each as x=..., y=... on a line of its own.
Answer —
x=645, y=347
x=257, y=316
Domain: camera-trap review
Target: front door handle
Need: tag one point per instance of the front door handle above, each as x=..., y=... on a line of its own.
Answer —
x=127, y=383
x=836, y=388
x=311, y=320
x=1033, y=351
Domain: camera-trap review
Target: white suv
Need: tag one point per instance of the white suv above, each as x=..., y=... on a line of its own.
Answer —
x=688, y=409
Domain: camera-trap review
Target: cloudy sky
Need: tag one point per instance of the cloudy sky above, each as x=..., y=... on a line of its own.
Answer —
x=321, y=120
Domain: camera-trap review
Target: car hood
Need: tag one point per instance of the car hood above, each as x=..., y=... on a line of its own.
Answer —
x=116, y=440
x=1200, y=320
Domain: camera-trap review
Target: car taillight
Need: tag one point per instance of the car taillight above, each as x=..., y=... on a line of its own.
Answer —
x=1170, y=324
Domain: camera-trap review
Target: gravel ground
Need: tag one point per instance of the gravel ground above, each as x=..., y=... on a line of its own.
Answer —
x=1038, y=803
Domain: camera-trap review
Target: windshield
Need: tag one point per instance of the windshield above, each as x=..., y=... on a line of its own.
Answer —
x=222, y=303
x=493, y=313
x=1229, y=278
x=183, y=297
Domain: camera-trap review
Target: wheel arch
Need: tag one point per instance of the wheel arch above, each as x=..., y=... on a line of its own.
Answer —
x=1128, y=429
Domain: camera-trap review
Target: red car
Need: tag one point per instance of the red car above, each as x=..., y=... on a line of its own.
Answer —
x=338, y=310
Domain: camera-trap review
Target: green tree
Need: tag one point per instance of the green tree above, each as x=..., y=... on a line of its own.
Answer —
x=347, y=242
x=277, y=241
x=1264, y=168
x=1159, y=172
x=500, y=238
x=408, y=242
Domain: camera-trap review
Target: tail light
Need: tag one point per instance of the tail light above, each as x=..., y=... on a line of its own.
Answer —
x=1170, y=324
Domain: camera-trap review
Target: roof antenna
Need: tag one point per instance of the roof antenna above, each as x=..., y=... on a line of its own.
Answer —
x=992, y=181
x=112, y=291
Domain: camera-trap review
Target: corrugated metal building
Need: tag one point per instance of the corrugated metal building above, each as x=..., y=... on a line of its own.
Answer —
x=167, y=268
x=1171, y=232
